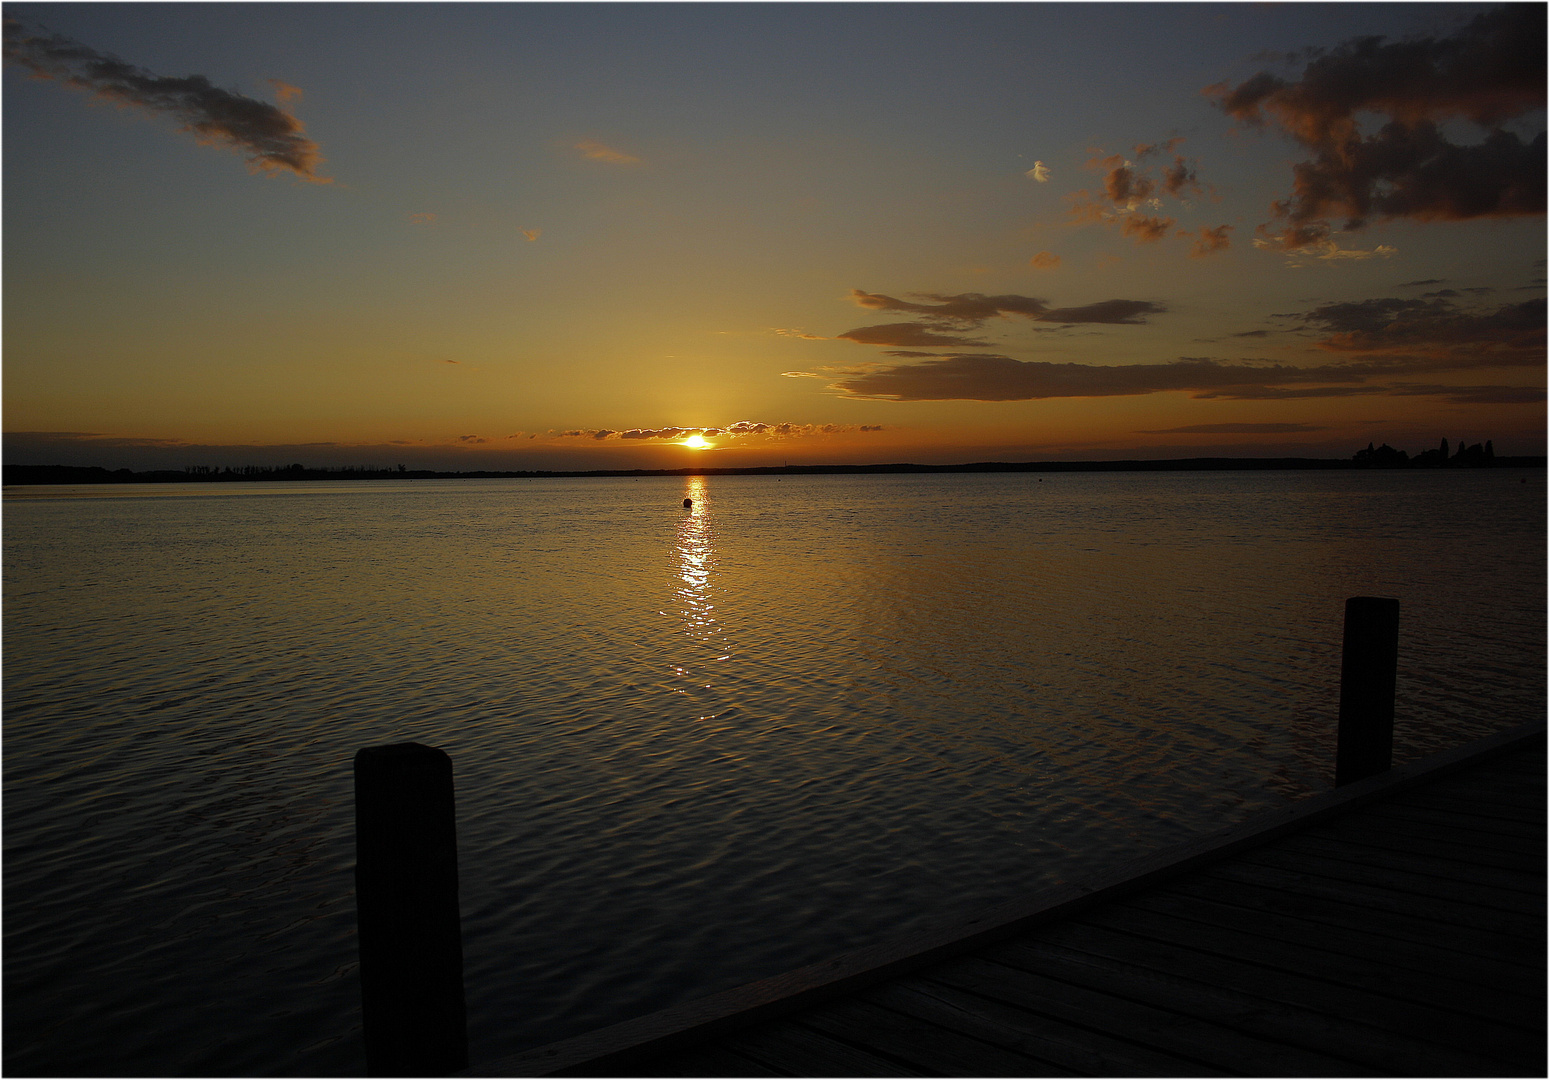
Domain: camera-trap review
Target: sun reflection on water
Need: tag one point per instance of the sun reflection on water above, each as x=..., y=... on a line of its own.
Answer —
x=696, y=565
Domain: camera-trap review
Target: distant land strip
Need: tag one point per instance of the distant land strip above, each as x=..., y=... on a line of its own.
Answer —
x=78, y=474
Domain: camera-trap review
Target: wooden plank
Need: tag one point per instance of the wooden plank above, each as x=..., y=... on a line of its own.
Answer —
x=1079, y=1051
x=1384, y=1021
x=1477, y=985
x=1161, y=1027
x=1480, y=805
x=799, y=1051
x=1475, y=893
x=1401, y=839
x=1500, y=924
x=927, y=1049
x=1212, y=990
x=1501, y=782
x=708, y=1060
x=1493, y=833
x=1392, y=925
x=1426, y=1001
x=1464, y=819
x=1505, y=778
x=1511, y=775
x=1532, y=885
x=1528, y=758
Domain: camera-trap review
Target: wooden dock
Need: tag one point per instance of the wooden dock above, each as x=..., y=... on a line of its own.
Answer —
x=1394, y=926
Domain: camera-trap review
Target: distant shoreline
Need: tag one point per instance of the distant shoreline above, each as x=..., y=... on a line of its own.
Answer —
x=18, y=475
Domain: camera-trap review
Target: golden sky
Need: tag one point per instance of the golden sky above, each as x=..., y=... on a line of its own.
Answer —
x=575, y=235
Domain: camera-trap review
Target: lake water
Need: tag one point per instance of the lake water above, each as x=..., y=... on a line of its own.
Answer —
x=691, y=747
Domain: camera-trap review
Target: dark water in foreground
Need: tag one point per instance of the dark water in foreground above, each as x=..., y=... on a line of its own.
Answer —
x=691, y=748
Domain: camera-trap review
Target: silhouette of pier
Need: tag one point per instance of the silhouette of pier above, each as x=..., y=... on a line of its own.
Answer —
x=1392, y=926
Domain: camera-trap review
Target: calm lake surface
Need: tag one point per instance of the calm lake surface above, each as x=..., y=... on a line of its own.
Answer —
x=691, y=748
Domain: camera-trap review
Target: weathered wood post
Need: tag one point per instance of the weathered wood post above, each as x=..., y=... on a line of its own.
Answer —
x=411, y=957
x=1368, y=674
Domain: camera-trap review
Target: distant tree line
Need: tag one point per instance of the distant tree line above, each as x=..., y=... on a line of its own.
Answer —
x=1478, y=456
x=1373, y=457
x=297, y=471
x=76, y=474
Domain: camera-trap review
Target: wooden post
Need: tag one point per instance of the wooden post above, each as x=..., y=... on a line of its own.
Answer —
x=411, y=958
x=1368, y=672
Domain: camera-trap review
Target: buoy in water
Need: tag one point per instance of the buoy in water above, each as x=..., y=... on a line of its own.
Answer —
x=688, y=504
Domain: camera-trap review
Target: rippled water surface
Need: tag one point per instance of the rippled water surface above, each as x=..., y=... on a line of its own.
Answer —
x=691, y=747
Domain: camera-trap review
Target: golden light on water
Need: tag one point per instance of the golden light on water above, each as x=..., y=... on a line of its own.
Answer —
x=696, y=571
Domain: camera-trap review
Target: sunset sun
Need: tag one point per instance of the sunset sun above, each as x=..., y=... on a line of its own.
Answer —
x=697, y=442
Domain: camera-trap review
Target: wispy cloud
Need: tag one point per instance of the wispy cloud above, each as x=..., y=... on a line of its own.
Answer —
x=742, y=429
x=944, y=317
x=1234, y=429
x=907, y=335
x=990, y=377
x=1326, y=250
x=1108, y=312
x=1044, y=260
x=1491, y=71
x=593, y=150
x=1209, y=241
x=531, y=235
x=1146, y=230
x=1039, y=172
x=1133, y=193
x=1376, y=341
x=271, y=139
x=1434, y=330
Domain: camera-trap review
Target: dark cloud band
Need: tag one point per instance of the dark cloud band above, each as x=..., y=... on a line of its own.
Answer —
x=270, y=138
x=944, y=317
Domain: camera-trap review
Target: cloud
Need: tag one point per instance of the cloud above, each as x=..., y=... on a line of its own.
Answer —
x=1210, y=241
x=596, y=151
x=1435, y=331
x=741, y=429
x=1234, y=429
x=1044, y=260
x=1146, y=230
x=1131, y=187
x=915, y=334
x=965, y=309
x=1039, y=172
x=1111, y=312
x=785, y=331
x=1299, y=253
x=531, y=234
x=1474, y=395
x=799, y=375
x=1491, y=71
x=421, y=219
x=989, y=377
x=471, y=439
x=271, y=139
x=945, y=317
x=1454, y=342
